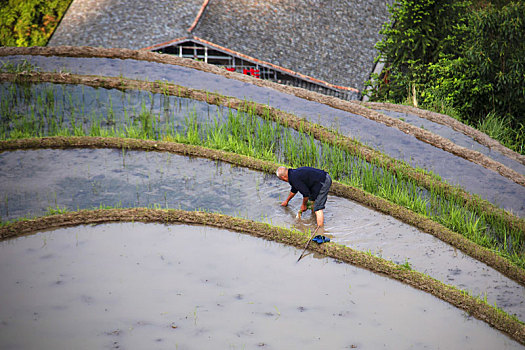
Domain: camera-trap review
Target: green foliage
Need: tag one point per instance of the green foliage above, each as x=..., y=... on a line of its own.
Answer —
x=472, y=62
x=29, y=22
x=418, y=33
x=502, y=129
x=421, y=29
x=497, y=49
x=455, y=82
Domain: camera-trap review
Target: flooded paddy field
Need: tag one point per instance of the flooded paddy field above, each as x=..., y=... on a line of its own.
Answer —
x=474, y=178
x=45, y=180
x=46, y=107
x=193, y=287
x=55, y=108
x=33, y=181
x=455, y=136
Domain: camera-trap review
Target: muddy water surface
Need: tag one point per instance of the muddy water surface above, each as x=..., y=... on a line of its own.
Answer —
x=474, y=178
x=457, y=137
x=82, y=106
x=32, y=181
x=180, y=287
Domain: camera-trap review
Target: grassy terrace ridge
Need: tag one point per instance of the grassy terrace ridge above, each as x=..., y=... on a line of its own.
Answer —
x=474, y=306
x=453, y=215
x=487, y=256
x=421, y=177
x=349, y=106
x=455, y=124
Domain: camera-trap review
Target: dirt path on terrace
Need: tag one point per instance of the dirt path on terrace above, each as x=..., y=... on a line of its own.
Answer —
x=459, y=299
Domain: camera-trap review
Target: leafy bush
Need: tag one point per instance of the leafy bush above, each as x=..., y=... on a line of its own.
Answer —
x=418, y=33
x=497, y=50
x=452, y=53
x=420, y=30
x=29, y=22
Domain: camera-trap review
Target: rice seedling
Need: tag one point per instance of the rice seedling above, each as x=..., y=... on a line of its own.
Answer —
x=243, y=132
x=406, y=265
x=19, y=67
x=56, y=210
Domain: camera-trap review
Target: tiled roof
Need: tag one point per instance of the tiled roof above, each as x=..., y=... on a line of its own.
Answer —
x=127, y=24
x=331, y=40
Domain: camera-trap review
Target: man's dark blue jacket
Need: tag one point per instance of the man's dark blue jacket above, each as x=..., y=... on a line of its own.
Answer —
x=306, y=180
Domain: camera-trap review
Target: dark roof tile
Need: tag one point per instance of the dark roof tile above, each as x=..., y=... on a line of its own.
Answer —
x=330, y=40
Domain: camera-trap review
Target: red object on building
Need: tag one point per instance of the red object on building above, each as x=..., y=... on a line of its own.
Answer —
x=253, y=72
x=231, y=69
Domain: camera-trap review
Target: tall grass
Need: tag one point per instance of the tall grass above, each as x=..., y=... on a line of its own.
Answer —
x=501, y=129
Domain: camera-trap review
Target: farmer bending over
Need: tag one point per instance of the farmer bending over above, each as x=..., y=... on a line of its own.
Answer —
x=313, y=185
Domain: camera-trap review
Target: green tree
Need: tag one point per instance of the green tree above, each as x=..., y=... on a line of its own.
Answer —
x=29, y=22
x=418, y=34
x=465, y=57
x=497, y=51
x=489, y=75
x=420, y=30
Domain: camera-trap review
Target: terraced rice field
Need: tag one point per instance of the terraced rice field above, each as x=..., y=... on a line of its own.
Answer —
x=427, y=222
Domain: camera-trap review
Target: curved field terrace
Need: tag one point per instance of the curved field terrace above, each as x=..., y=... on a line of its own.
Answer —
x=475, y=178
x=409, y=252
x=331, y=113
x=457, y=137
x=87, y=178
x=251, y=129
x=197, y=286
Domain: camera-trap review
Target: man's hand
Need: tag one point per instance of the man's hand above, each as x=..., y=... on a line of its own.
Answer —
x=290, y=196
